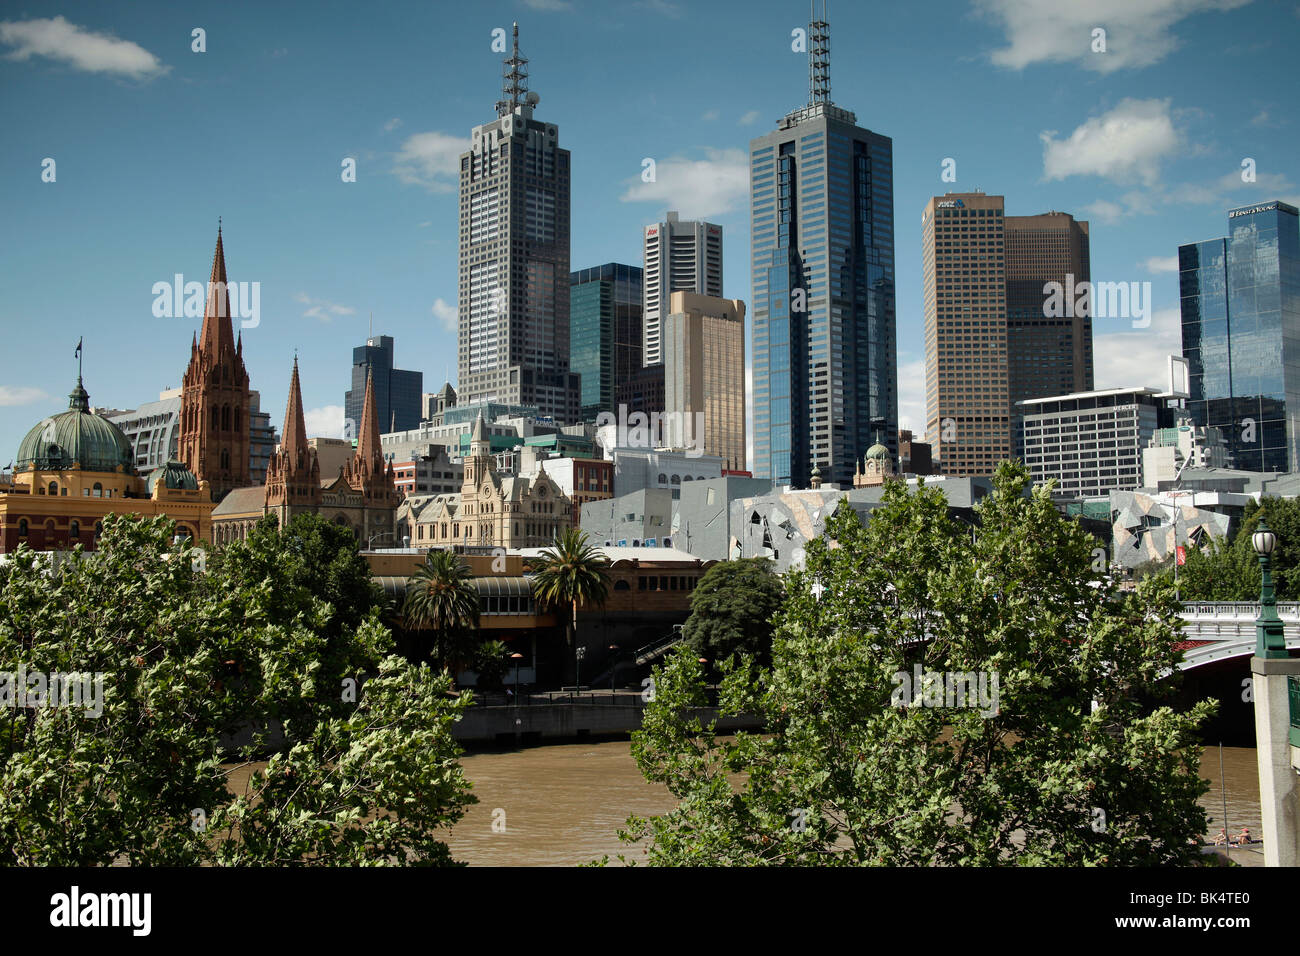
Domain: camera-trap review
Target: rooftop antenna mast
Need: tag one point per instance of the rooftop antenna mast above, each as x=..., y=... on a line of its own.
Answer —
x=514, y=80
x=819, y=56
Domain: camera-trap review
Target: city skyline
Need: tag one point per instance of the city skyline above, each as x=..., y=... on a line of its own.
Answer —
x=1124, y=142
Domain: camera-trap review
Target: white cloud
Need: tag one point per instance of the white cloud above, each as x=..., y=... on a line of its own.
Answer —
x=663, y=7
x=21, y=395
x=549, y=6
x=324, y=422
x=911, y=398
x=695, y=187
x=1158, y=264
x=431, y=160
x=321, y=309
x=1138, y=32
x=81, y=49
x=1125, y=144
x=445, y=314
x=1105, y=211
x=392, y=124
x=1139, y=357
x=750, y=118
x=710, y=115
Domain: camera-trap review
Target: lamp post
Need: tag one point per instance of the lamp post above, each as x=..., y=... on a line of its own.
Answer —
x=613, y=671
x=1270, y=668
x=516, y=657
x=381, y=534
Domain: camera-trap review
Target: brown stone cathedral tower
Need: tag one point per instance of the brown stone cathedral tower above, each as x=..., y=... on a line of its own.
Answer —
x=366, y=472
x=214, y=440
x=293, y=474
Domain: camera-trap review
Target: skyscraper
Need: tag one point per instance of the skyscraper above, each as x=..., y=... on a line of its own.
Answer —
x=513, y=339
x=822, y=255
x=604, y=332
x=1240, y=303
x=1046, y=355
x=704, y=375
x=679, y=257
x=397, y=392
x=964, y=293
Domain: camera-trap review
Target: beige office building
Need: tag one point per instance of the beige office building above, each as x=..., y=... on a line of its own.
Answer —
x=704, y=372
x=968, y=409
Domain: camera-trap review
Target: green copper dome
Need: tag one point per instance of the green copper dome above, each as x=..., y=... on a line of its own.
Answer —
x=877, y=451
x=75, y=437
x=174, y=475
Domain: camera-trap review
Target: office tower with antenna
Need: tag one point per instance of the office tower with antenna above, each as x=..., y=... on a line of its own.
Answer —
x=825, y=379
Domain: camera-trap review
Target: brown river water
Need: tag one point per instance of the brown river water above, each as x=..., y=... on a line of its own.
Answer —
x=563, y=804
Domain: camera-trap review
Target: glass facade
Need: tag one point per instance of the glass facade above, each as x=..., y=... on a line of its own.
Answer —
x=605, y=339
x=1240, y=304
x=397, y=392
x=822, y=240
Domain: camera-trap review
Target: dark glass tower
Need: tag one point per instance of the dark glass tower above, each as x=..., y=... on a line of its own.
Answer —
x=1240, y=301
x=822, y=241
x=397, y=392
x=604, y=332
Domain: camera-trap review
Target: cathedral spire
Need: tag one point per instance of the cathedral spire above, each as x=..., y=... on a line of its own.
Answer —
x=295, y=424
x=368, y=447
x=217, y=329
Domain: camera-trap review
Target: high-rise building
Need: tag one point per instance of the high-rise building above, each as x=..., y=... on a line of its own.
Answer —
x=604, y=332
x=964, y=292
x=822, y=255
x=679, y=257
x=513, y=339
x=397, y=392
x=704, y=374
x=215, y=398
x=1240, y=301
x=1046, y=355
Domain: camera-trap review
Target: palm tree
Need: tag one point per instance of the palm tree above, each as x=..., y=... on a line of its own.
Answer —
x=569, y=574
x=440, y=596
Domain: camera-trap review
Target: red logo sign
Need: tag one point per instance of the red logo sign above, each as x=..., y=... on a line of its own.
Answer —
x=1182, y=555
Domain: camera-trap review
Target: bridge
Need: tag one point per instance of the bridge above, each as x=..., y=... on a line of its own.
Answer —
x=1218, y=630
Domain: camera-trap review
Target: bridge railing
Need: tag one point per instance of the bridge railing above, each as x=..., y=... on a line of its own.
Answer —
x=1236, y=610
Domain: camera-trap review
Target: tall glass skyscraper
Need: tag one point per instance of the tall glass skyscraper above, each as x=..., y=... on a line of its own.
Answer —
x=604, y=332
x=822, y=241
x=397, y=392
x=1240, y=299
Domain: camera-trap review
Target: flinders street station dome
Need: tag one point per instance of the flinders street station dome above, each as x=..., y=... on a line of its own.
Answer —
x=75, y=438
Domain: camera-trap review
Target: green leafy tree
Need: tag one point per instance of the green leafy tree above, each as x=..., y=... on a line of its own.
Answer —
x=569, y=575
x=491, y=662
x=441, y=598
x=733, y=610
x=185, y=653
x=1056, y=763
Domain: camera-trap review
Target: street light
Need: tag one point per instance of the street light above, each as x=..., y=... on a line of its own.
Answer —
x=613, y=671
x=381, y=534
x=516, y=657
x=1270, y=638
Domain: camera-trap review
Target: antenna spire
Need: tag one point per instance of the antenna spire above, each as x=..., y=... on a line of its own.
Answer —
x=819, y=56
x=514, y=80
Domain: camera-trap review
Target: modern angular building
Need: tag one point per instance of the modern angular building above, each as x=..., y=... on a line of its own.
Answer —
x=397, y=392
x=1046, y=355
x=513, y=338
x=964, y=293
x=1240, y=301
x=679, y=257
x=822, y=256
x=604, y=332
x=704, y=375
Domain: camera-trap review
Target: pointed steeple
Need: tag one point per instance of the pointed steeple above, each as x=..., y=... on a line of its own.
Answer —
x=368, y=446
x=295, y=423
x=217, y=329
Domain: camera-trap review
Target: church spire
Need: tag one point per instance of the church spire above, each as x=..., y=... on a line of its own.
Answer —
x=368, y=447
x=217, y=329
x=295, y=423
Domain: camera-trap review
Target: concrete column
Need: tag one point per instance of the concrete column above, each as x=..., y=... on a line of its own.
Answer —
x=1279, y=795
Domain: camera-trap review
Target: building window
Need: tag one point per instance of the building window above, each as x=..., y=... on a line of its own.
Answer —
x=74, y=530
x=54, y=487
x=22, y=527
x=623, y=585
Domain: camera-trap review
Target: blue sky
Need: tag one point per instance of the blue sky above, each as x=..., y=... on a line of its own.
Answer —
x=152, y=142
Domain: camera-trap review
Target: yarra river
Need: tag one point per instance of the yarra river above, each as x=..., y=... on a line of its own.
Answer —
x=562, y=805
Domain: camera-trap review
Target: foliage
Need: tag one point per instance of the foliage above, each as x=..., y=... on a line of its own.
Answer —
x=733, y=609
x=1067, y=767
x=440, y=597
x=491, y=663
x=570, y=574
x=186, y=656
